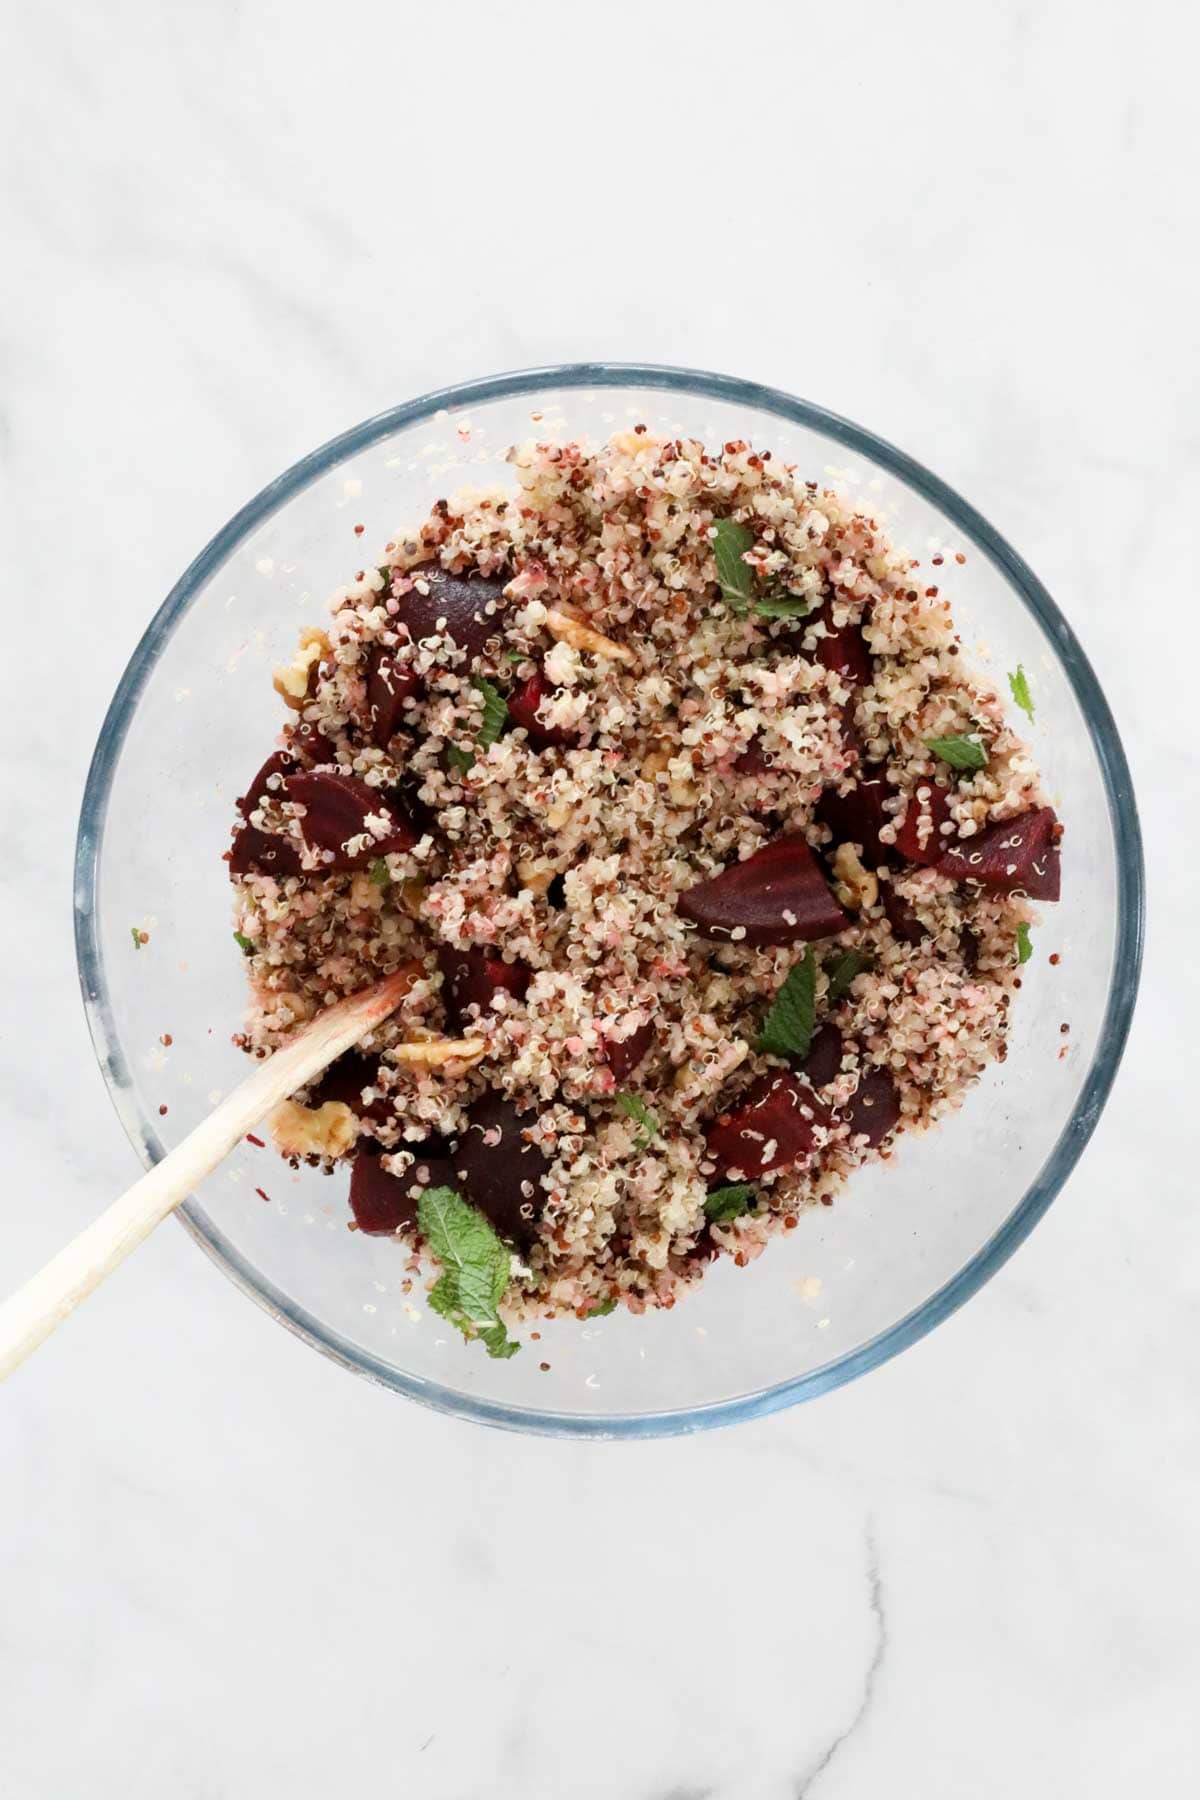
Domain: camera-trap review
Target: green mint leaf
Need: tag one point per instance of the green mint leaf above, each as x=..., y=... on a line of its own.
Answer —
x=515, y=656
x=1024, y=947
x=636, y=1109
x=781, y=605
x=137, y=937
x=379, y=873
x=960, y=752
x=788, y=1028
x=730, y=541
x=497, y=1342
x=459, y=760
x=495, y=712
x=243, y=943
x=602, y=1308
x=1019, y=686
x=842, y=970
x=725, y=1203
x=476, y=1266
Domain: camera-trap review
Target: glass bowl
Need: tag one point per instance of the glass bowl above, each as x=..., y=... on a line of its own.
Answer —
x=904, y=1245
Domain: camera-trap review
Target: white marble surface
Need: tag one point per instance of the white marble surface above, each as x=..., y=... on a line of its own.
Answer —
x=229, y=1568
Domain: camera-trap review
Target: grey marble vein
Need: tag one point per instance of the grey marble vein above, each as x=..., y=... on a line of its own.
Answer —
x=866, y=1695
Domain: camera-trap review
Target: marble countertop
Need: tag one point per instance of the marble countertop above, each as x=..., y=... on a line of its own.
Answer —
x=229, y=1568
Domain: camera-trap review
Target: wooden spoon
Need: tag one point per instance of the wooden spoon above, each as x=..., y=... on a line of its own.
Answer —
x=48, y=1297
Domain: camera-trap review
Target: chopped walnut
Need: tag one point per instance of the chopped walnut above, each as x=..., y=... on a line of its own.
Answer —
x=327, y=1130
x=856, y=887
x=581, y=636
x=434, y=1053
x=292, y=681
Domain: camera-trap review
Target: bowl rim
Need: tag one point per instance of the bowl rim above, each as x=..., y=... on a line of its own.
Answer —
x=1123, y=818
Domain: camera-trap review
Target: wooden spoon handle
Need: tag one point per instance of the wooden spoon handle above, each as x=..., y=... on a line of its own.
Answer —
x=49, y=1296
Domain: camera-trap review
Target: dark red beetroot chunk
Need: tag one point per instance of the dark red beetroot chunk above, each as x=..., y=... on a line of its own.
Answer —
x=475, y=975
x=772, y=1125
x=855, y=818
x=345, y=1080
x=906, y=926
x=390, y=685
x=875, y=1106
x=499, y=1170
x=255, y=852
x=336, y=808
x=380, y=1202
x=1019, y=856
x=843, y=650
x=930, y=802
x=753, y=759
x=461, y=600
x=624, y=1054
x=824, y=1060
x=523, y=704
x=311, y=744
x=259, y=790
x=782, y=877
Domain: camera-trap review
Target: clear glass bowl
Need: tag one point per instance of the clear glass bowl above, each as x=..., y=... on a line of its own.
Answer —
x=904, y=1245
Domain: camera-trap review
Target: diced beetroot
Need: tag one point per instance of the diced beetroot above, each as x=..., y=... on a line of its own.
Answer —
x=460, y=600
x=336, y=809
x=855, y=817
x=500, y=1169
x=919, y=837
x=753, y=759
x=624, y=1054
x=390, y=685
x=256, y=852
x=382, y=1202
x=783, y=878
x=345, y=1080
x=474, y=976
x=824, y=1060
x=1019, y=856
x=523, y=706
x=773, y=1124
x=906, y=926
x=279, y=764
x=875, y=1106
x=311, y=744
x=843, y=650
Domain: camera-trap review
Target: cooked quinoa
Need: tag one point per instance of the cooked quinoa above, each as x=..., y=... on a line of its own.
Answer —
x=517, y=760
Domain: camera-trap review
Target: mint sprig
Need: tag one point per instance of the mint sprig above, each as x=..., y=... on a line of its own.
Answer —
x=495, y=712
x=379, y=876
x=476, y=1266
x=959, y=751
x=602, y=1308
x=635, y=1108
x=1024, y=947
x=459, y=760
x=244, y=943
x=730, y=542
x=739, y=585
x=788, y=1027
x=842, y=971
x=725, y=1203
x=1019, y=687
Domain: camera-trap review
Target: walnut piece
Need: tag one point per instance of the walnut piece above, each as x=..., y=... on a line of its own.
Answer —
x=327, y=1130
x=574, y=631
x=855, y=887
x=291, y=680
x=433, y=1053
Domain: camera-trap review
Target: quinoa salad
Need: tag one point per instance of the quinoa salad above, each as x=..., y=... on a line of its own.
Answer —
x=662, y=776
